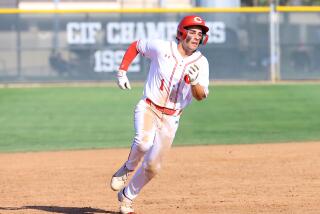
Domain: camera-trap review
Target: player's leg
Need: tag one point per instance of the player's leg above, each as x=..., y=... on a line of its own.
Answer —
x=145, y=129
x=152, y=162
x=145, y=132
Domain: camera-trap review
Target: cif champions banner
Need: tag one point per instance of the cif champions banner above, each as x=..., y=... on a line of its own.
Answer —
x=116, y=36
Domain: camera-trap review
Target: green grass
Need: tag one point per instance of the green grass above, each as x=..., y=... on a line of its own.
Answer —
x=254, y=114
x=37, y=119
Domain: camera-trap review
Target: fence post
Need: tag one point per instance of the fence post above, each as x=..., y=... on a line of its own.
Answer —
x=274, y=43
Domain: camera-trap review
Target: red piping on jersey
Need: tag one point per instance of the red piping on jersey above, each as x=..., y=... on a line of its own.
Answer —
x=184, y=69
x=173, y=71
x=129, y=56
x=175, y=100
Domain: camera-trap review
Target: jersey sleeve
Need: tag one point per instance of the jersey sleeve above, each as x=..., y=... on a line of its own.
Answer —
x=149, y=48
x=129, y=56
x=204, y=75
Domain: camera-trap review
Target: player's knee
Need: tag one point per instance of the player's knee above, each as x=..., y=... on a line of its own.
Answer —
x=142, y=144
x=152, y=169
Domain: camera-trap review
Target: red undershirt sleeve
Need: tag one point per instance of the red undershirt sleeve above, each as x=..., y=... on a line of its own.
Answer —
x=129, y=56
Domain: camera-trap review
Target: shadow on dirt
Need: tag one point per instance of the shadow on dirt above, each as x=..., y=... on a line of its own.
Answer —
x=64, y=210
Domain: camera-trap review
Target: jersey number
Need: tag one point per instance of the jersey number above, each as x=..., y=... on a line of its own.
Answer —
x=162, y=85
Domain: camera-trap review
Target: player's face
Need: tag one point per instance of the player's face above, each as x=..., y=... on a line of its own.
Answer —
x=192, y=41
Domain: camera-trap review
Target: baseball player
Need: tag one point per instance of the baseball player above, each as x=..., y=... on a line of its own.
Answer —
x=178, y=72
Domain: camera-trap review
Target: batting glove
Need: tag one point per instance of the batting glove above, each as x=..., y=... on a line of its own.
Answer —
x=193, y=74
x=123, y=81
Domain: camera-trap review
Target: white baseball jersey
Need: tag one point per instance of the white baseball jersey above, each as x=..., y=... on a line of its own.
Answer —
x=165, y=84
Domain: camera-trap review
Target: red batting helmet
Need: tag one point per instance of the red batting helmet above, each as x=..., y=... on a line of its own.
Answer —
x=189, y=21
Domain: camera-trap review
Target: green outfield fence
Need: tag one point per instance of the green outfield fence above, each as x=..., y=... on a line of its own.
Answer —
x=247, y=43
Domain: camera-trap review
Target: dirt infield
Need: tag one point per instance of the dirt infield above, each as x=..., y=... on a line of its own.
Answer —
x=273, y=178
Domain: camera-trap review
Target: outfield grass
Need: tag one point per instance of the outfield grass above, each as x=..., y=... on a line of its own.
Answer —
x=36, y=119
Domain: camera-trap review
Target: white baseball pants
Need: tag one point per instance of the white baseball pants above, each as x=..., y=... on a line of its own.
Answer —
x=154, y=135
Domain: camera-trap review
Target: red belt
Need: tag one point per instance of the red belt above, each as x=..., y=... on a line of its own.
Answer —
x=164, y=110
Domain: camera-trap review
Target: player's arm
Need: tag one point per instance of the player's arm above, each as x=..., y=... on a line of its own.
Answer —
x=198, y=91
x=129, y=56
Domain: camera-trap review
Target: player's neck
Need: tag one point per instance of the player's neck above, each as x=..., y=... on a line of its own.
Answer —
x=183, y=51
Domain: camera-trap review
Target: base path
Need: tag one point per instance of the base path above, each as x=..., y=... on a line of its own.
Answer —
x=260, y=178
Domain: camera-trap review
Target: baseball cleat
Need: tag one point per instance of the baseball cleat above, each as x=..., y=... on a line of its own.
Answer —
x=126, y=205
x=120, y=178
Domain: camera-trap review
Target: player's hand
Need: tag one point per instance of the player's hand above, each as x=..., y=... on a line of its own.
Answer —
x=193, y=74
x=123, y=81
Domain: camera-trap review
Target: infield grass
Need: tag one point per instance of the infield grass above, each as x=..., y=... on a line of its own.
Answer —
x=37, y=119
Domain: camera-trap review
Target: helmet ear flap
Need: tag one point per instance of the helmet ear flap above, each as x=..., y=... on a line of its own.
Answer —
x=204, y=39
x=183, y=34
